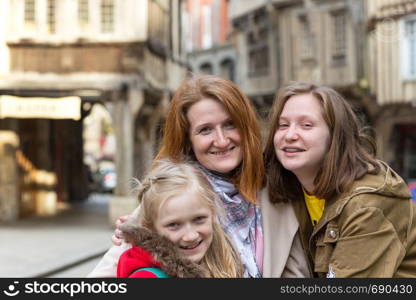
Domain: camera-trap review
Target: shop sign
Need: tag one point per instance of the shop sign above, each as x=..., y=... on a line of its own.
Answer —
x=40, y=107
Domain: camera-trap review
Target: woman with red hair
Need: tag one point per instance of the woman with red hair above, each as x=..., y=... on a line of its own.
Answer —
x=211, y=122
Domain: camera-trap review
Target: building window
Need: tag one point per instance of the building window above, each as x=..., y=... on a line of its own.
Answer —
x=107, y=16
x=405, y=153
x=339, y=37
x=83, y=13
x=307, y=43
x=205, y=69
x=258, y=44
x=29, y=14
x=258, y=52
x=206, y=27
x=409, y=47
x=227, y=69
x=51, y=16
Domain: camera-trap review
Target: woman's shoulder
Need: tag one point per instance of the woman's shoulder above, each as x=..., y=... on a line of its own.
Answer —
x=277, y=213
x=264, y=200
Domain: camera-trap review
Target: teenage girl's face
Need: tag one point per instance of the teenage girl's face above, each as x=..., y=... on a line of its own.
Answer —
x=215, y=140
x=302, y=137
x=187, y=223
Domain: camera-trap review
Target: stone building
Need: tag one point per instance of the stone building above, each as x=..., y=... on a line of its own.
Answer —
x=392, y=80
x=280, y=41
x=125, y=54
x=208, y=37
x=363, y=49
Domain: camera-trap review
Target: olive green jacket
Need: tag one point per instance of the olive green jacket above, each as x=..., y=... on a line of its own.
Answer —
x=368, y=231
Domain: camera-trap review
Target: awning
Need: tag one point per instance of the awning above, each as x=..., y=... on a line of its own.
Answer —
x=40, y=107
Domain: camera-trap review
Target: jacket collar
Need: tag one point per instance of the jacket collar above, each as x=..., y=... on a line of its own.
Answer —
x=163, y=251
x=386, y=183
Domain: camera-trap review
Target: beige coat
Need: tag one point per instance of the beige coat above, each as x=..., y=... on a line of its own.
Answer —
x=283, y=253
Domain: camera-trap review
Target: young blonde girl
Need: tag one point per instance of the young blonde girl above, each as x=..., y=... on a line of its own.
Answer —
x=177, y=205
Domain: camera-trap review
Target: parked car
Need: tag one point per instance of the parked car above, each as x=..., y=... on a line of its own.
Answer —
x=109, y=180
x=106, y=177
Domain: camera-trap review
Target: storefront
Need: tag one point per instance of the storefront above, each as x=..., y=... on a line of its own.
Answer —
x=49, y=145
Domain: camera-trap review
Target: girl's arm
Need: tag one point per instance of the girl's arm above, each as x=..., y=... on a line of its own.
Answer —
x=107, y=266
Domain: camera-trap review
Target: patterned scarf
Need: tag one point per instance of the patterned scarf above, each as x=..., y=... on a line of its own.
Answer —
x=242, y=222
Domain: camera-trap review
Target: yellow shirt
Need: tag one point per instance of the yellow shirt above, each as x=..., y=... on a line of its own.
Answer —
x=315, y=207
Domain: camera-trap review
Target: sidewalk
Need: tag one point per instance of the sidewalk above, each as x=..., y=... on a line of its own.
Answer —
x=36, y=246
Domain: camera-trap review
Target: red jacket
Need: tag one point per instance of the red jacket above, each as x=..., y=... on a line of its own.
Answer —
x=149, y=250
x=133, y=259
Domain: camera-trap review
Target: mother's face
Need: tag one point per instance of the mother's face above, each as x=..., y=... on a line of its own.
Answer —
x=216, y=142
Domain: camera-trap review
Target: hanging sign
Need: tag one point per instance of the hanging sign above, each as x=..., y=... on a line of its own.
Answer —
x=40, y=107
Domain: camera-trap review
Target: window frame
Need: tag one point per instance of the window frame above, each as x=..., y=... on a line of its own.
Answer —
x=339, y=42
x=258, y=46
x=83, y=13
x=105, y=26
x=51, y=16
x=408, y=70
x=29, y=23
x=307, y=39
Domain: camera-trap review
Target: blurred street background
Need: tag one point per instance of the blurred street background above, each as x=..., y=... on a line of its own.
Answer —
x=84, y=87
x=67, y=244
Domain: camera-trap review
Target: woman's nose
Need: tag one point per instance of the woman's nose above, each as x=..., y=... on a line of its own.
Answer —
x=291, y=133
x=221, y=140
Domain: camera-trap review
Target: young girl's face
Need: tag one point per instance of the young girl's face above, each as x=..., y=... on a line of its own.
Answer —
x=302, y=137
x=187, y=222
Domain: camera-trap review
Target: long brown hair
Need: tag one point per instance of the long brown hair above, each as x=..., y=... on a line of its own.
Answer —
x=176, y=143
x=350, y=155
x=168, y=179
